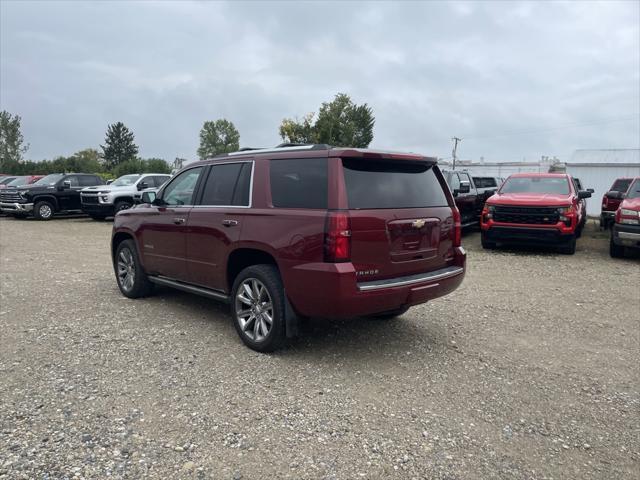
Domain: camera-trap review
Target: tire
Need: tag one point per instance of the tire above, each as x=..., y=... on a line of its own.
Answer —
x=43, y=210
x=131, y=277
x=122, y=205
x=580, y=229
x=486, y=244
x=390, y=315
x=570, y=247
x=98, y=217
x=258, y=290
x=615, y=251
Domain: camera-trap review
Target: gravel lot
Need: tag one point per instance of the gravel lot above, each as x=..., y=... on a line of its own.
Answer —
x=529, y=371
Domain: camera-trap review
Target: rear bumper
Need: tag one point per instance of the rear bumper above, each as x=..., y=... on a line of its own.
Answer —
x=16, y=207
x=331, y=290
x=527, y=235
x=607, y=218
x=626, y=235
x=97, y=209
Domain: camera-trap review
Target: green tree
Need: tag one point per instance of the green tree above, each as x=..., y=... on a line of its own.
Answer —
x=340, y=123
x=156, y=165
x=216, y=137
x=140, y=165
x=299, y=131
x=11, y=141
x=119, y=145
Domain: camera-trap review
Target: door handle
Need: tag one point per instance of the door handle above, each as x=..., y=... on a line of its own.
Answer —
x=178, y=220
x=229, y=223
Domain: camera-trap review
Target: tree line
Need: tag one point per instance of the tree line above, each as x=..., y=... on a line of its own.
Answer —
x=339, y=122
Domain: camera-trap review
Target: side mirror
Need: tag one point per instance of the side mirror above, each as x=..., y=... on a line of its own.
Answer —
x=66, y=185
x=149, y=197
x=465, y=187
x=142, y=185
x=584, y=194
x=590, y=190
x=109, y=182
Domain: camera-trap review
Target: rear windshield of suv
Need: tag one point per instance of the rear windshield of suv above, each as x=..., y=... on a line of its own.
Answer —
x=551, y=185
x=393, y=184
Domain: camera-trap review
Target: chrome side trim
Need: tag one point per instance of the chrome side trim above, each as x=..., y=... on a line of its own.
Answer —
x=411, y=279
x=185, y=287
x=629, y=235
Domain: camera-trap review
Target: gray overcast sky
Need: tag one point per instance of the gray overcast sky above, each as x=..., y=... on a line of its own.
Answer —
x=490, y=72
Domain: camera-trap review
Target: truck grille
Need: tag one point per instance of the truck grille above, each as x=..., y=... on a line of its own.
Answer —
x=11, y=196
x=89, y=199
x=526, y=215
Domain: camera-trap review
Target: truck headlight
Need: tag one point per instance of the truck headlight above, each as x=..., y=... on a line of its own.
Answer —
x=104, y=198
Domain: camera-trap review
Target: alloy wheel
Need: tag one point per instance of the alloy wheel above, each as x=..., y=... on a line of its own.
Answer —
x=254, y=309
x=126, y=269
x=45, y=211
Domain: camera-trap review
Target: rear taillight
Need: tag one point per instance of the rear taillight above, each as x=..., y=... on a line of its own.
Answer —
x=337, y=237
x=624, y=215
x=605, y=202
x=457, y=228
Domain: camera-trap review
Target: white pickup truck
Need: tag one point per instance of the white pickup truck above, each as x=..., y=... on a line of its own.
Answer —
x=105, y=201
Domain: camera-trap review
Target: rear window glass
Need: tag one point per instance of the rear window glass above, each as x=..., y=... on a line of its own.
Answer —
x=374, y=184
x=299, y=183
x=552, y=185
x=621, y=185
x=485, y=182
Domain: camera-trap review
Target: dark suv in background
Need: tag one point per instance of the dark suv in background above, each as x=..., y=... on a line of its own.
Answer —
x=55, y=193
x=297, y=231
x=612, y=200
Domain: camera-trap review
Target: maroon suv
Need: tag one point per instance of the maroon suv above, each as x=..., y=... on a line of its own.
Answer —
x=296, y=231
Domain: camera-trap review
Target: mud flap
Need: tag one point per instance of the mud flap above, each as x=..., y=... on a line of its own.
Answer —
x=291, y=319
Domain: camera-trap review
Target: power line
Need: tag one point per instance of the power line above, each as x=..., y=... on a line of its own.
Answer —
x=552, y=129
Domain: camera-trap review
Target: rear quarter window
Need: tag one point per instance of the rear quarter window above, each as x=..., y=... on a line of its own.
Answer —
x=393, y=184
x=299, y=183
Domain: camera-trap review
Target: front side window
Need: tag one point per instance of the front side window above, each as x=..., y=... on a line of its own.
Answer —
x=126, y=180
x=149, y=181
x=73, y=180
x=299, y=183
x=551, y=185
x=227, y=184
x=181, y=190
x=453, y=181
x=50, y=179
x=161, y=180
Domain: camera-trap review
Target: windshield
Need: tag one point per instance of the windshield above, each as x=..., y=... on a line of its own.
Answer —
x=634, y=191
x=553, y=185
x=50, y=179
x=126, y=180
x=18, y=181
x=5, y=181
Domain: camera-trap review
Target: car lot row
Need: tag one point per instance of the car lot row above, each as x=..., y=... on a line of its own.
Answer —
x=275, y=232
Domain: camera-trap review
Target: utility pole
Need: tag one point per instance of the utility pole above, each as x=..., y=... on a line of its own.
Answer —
x=455, y=148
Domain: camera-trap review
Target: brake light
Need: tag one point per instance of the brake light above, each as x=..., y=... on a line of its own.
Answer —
x=337, y=237
x=624, y=215
x=605, y=202
x=457, y=227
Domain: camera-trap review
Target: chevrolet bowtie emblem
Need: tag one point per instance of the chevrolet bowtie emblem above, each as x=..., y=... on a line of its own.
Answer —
x=418, y=223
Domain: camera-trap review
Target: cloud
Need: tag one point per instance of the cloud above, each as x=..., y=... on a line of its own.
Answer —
x=429, y=70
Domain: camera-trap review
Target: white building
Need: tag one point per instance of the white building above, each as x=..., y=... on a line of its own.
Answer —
x=598, y=169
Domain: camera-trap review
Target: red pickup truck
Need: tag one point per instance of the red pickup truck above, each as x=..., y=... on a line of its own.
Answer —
x=535, y=209
x=626, y=229
x=612, y=200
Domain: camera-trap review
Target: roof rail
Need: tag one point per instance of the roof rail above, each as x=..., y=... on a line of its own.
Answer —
x=283, y=147
x=246, y=149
